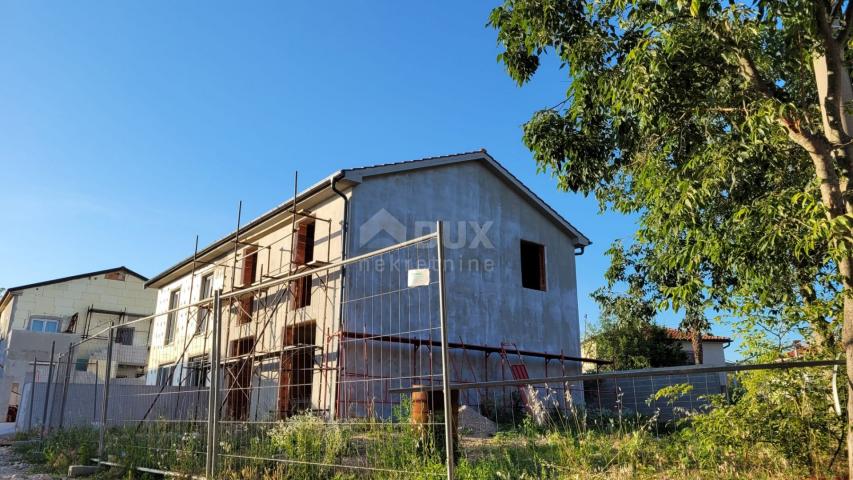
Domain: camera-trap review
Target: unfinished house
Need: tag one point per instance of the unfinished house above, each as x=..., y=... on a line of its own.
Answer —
x=39, y=317
x=335, y=342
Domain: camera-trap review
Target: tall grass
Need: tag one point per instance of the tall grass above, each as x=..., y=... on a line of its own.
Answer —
x=781, y=434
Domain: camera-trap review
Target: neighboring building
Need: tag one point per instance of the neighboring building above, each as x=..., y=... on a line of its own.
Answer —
x=713, y=347
x=64, y=311
x=513, y=286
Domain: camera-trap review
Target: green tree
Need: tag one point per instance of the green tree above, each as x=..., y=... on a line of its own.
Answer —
x=627, y=335
x=726, y=126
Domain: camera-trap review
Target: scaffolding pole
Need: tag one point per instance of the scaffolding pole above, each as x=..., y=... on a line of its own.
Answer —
x=106, y=402
x=213, y=396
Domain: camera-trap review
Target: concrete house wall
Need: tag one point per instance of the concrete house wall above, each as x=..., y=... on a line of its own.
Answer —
x=487, y=305
x=114, y=290
x=486, y=218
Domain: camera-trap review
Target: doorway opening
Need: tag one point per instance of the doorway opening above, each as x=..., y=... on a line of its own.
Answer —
x=239, y=374
x=296, y=370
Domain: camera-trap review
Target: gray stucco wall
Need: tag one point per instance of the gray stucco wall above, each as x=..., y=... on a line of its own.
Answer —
x=485, y=222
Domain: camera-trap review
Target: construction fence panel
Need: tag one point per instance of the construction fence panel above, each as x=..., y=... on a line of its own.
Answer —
x=157, y=399
x=532, y=426
x=305, y=381
x=288, y=375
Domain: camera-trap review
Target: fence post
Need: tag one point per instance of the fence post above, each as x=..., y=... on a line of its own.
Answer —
x=106, y=402
x=32, y=395
x=445, y=358
x=213, y=395
x=65, y=389
x=45, y=421
x=95, y=402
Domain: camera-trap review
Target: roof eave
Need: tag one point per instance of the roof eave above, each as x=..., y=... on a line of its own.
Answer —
x=159, y=279
x=77, y=277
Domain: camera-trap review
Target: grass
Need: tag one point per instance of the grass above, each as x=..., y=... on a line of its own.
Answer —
x=724, y=443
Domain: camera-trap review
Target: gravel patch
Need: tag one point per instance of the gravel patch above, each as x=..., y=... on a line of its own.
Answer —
x=12, y=468
x=472, y=424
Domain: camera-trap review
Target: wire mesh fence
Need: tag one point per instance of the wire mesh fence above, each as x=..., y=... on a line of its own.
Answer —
x=389, y=423
x=588, y=424
x=287, y=375
x=320, y=369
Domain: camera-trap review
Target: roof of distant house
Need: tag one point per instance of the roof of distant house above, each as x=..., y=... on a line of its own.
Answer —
x=122, y=268
x=355, y=176
x=677, y=334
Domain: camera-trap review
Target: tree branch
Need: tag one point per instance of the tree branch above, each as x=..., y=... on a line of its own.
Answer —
x=832, y=103
x=750, y=72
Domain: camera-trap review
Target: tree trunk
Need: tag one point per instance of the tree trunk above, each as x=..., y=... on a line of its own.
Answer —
x=846, y=269
x=696, y=342
x=837, y=124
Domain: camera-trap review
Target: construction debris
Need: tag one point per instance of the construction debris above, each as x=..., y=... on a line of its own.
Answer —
x=472, y=424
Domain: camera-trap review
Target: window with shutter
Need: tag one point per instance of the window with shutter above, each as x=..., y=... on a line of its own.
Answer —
x=303, y=250
x=300, y=290
x=247, y=304
x=303, y=253
x=249, y=266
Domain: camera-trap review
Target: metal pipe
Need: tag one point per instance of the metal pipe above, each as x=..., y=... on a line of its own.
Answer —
x=445, y=357
x=464, y=346
x=32, y=395
x=342, y=300
x=213, y=396
x=106, y=402
x=95, y=402
x=278, y=281
x=645, y=372
x=65, y=390
x=44, y=420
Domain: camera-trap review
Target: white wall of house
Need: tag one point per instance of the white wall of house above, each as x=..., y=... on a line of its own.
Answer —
x=186, y=345
x=713, y=352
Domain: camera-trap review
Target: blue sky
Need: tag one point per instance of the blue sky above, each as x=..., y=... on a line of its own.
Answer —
x=129, y=127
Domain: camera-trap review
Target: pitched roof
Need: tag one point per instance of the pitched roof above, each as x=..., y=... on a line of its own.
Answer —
x=122, y=268
x=356, y=175
x=677, y=334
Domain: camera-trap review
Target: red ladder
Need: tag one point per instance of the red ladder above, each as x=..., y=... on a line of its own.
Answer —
x=519, y=370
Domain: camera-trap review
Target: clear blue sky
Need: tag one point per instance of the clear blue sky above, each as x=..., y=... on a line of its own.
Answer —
x=126, y=128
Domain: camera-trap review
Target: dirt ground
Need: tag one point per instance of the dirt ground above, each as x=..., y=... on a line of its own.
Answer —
x=12, y=468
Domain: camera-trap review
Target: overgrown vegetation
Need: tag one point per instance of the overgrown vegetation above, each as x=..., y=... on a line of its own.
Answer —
x=774, y=424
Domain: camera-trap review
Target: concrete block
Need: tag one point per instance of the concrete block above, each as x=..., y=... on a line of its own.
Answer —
x=75, y=471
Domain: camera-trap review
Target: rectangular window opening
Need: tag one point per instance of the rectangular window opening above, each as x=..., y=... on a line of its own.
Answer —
x=199, y=371
x=303, y=254
x=165, y=375
x=45, y=325
x=532, y=265
x=172, y=317
x=124, y=335
x=249, y=266
x=205, y=292
x=246, y=308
